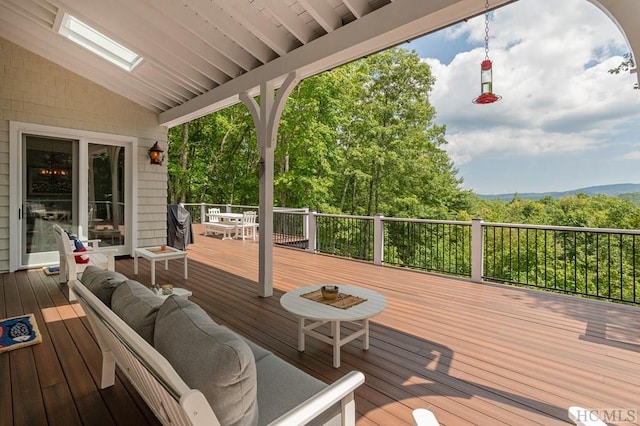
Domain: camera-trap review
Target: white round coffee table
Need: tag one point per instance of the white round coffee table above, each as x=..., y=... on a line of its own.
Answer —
x=319, y=313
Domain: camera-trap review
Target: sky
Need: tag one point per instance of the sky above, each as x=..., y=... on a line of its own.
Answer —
x=564, y=122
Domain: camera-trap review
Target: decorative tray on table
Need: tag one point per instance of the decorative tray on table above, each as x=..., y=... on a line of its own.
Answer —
x=342, y=301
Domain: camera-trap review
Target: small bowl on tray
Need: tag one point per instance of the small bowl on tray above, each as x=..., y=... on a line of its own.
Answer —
x=329, y=292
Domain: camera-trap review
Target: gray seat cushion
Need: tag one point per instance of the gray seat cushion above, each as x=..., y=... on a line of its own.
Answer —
x=101, y=282
x=258, y=351
x=211, y=358
x=282, y=386
x=138, y=306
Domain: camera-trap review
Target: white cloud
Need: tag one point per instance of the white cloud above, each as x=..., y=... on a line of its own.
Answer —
x=505, y=142
x=634, y=155
x=551, y=60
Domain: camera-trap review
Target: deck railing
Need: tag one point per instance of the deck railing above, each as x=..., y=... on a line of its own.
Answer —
x=593, y=262
x=588, y=261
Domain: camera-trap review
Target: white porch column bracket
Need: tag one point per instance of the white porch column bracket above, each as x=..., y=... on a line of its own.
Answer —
x=266, y=118
x=378, y=239
x=278, y=105
x=253, y=106
x=477, y=245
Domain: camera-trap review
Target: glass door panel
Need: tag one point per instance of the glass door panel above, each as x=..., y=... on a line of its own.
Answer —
x=106, y=194
x=48, y=195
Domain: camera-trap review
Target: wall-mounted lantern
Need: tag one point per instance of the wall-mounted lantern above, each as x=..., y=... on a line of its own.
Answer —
x=156, y=154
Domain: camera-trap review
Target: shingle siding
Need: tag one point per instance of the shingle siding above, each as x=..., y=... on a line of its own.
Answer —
x=34, y=90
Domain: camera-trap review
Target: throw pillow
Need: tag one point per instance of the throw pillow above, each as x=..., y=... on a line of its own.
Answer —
x=138, y=306
x=77, y=247
x=211, y=358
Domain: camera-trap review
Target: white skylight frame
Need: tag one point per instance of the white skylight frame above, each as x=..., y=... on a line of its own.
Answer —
x=98, y=43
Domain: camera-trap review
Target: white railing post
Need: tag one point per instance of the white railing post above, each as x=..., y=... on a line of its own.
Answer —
x=476, y=250
x=228, y=208
x=305, y=221
x=311, y=225
x=378, y=239
x=203, y=208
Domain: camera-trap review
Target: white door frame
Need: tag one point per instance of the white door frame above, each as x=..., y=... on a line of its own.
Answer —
x=18, y=129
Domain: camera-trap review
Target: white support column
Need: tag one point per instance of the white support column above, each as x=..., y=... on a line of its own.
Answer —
x=266, y=118
x=477, y=244
x=378, y=239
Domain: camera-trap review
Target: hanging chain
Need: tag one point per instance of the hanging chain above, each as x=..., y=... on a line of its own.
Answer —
x=486, y=30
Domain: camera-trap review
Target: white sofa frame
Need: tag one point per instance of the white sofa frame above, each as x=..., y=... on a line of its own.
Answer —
x=171, y=400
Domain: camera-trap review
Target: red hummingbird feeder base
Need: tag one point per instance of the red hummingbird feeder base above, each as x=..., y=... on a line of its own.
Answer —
x=487, y=98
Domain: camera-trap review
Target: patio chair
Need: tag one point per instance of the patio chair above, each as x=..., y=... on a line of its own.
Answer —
x=212, y=225
x=424, y=417
x=212, y=214
x=70, y=267
x=248, y=226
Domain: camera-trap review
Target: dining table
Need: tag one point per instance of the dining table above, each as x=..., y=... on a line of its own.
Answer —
x=230, y=218
x=234, y=217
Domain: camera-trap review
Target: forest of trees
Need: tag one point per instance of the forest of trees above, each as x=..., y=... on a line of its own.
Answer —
x=359, y=139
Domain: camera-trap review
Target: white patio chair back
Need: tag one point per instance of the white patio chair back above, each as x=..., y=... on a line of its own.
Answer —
x=212, y=214
x=248, y=226
x=69, y=269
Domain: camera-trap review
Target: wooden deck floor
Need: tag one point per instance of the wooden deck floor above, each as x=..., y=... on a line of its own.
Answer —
x=472, y=353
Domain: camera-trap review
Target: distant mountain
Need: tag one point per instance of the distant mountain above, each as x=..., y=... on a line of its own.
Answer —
x=612, y=190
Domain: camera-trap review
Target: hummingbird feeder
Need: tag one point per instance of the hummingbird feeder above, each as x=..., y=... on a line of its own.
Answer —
x=486, y=73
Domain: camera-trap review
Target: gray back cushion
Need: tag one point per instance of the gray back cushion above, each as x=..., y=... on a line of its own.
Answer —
x=211, y=358
x=101, y=282
x=138, y=306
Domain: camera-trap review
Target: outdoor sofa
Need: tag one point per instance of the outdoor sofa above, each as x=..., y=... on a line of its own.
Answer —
x=190, y=370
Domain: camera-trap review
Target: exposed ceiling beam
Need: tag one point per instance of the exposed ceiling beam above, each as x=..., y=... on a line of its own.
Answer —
x=185, y=40
x=174, y=44
x=289, y=19
x=323, y=13
x=42, y=15
x=251, y=18
x=388, y=26
x=359, y=8
x=212, y=35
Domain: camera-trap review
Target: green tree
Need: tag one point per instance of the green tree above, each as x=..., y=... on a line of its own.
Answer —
x=359, y=139
x=393, y=158
x=625, y=66
x=221, y=159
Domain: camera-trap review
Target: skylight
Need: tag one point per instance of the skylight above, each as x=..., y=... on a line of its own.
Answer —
x=91, y=39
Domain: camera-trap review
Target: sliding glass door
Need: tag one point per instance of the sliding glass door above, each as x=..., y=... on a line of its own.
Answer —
x=79, y=183
x=106, y=194
x=49, y=194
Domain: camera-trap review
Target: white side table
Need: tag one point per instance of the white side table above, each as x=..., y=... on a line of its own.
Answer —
x=154, y=254
x=319, y=313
